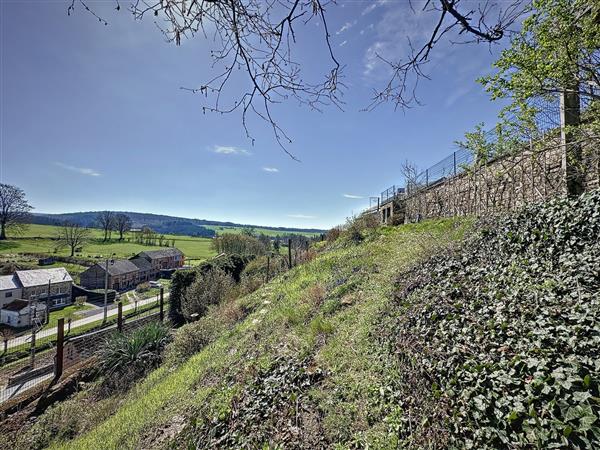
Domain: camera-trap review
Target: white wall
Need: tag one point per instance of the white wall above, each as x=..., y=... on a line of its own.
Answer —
x=13, y=294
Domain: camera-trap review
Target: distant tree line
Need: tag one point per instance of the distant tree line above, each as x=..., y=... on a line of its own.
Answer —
x=147, y=236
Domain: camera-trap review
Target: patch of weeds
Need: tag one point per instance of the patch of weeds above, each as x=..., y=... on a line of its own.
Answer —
x=321, y=326
x=272, y=411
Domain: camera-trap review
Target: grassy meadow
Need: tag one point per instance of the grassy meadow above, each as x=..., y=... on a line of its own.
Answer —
x=40, y=239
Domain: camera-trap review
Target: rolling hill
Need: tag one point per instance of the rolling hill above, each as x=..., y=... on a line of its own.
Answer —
x=168, y=224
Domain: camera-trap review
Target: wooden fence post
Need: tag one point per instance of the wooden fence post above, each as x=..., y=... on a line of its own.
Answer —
x=120, y=317
x=268, y=268
x=60, y=343
x=290, y=253
x=162, y=304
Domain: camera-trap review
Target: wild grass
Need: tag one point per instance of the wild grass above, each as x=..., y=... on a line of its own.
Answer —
x=325, y=309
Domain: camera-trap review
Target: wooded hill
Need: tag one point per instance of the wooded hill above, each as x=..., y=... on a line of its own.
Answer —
x=166, y=224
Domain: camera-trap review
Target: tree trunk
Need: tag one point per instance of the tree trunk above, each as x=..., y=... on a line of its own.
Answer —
x=2, y=232
x=72, y=251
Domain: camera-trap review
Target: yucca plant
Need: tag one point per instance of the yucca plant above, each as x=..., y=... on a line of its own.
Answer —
x=135, y=353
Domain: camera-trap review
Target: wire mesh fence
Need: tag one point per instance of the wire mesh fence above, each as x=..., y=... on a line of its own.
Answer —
x=546, y=119
x=30, y=360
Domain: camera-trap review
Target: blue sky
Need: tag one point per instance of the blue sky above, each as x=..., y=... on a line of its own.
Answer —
x=93, y=118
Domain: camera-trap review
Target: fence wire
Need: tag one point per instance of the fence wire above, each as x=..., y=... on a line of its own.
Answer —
x=29, y=360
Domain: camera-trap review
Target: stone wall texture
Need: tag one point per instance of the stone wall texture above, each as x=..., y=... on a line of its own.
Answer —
x=502, y=184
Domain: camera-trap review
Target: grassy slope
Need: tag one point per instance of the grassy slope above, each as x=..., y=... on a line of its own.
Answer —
x=288, y=320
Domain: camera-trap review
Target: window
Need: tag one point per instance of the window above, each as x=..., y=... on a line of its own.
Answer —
x=8, y=294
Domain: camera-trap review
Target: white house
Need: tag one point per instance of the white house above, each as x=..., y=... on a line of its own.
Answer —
x=18, y=313
x=10, y=289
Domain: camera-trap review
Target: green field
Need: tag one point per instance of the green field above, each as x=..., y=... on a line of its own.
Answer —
x=267, y=231
x=40, y=239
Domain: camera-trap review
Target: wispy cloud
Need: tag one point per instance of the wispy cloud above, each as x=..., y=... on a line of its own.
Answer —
x=459, y=94
x=369, y=9
x=80, y=170
x=372, y=6
x=346, y=27
x=229, y=150
x=301, y=216
x=271, y=169
x=398, y=29
x=353, y=196
x=343, y=43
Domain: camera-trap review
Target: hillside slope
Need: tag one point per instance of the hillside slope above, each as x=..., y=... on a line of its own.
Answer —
x=411, y=338
x=166, y=224
x=304, y=352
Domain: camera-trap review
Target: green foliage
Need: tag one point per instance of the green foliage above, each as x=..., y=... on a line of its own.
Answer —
x=503, y=335
x=231, y=264
x=556, y=47
x=348, y=408
x=126, y=357
x=191, y=338
x=209, y=288
x=273, y=407
x=244, y=244
x=181, y=280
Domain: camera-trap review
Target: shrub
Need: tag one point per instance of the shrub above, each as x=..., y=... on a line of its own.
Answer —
x=356, y=227
x=334, y=234
x=142, y=287
x=191, y=338
x=127, y=357
x=209, y=288
x=240, y=244
x=230, y=264
x=194, y=336
x=181, y=280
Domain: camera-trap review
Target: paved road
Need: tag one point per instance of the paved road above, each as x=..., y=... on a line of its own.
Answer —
x=87, y=320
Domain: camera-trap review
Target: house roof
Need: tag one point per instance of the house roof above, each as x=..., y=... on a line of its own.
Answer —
x=162, y=253
x=141, y=263
x=8, y=282
x=39, y=277
x=16, y=305
x=120, y=267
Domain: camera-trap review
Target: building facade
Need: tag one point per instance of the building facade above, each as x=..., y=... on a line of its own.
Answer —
x=10, y=289
x=164, y=259
x=122, y=275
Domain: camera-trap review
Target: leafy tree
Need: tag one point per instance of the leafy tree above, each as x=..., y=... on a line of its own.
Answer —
x=72, y=235
x=557, y=49
x=14, y=209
